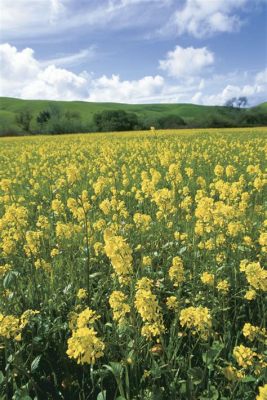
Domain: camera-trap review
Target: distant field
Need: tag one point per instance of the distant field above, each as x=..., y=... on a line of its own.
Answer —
x=195, y=115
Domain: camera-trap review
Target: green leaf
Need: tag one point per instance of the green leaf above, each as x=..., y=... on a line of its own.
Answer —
x=116, y=368
x=95, y=274
x=9, y=279
x=182, y=250
x=212, y=354
x=248, y=378
x=2, y=377
x=196, y=374
x=211, y=394
x=102, y=395
x=35, y=363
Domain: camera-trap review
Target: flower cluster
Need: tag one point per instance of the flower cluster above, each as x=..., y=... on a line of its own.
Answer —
x=255, y=274
x=148, y=307
x=176, y=271
x=198, y=319
x=84, y=345
x=120, y=308
x=120, y=255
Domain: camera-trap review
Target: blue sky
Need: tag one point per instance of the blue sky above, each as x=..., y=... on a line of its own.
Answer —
x=135, y=51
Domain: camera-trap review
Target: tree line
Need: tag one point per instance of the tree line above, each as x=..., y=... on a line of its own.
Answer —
x=53, y=120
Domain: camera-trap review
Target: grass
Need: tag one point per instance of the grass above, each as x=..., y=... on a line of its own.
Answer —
x=192, y=114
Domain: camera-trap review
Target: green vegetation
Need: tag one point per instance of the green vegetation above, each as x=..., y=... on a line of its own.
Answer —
x=18, y=117
x=117, y=120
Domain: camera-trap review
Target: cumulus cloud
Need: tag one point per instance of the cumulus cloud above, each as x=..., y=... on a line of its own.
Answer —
x=261, y=77
x=205, y=17
x=186, y=62
x=142, y=90
x=24, y=76
x=255, y=91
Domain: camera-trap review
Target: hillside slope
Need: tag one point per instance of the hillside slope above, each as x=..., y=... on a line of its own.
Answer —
x=193, y=115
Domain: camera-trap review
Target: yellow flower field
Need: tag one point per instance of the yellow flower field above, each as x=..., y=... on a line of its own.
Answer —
x=132, y=266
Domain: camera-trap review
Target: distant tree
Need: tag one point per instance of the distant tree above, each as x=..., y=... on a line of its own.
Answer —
x=115, y=120
x=43, y=117
x=55, y=110
x=23, y=119
x=237, y=102
x=171, y=121
x=72, y=115
x=254, y=118
x=242, y=101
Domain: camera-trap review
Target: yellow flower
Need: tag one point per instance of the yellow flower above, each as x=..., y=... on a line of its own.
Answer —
x=73, y=174
x=244, y=356
x=120, y=308
x=247, y=358
x=4, y=269
x=86, y=317
x=223, y=286
x=207, y=278
x=120, y=255
x=232, y=374
x=256, y=276
x=146, y=261
x=57, y=206
x=142, y=221
x=262, y=393
x=176, y=271
x=84, y=346
x=250, y=294
x=198, y=319
x=254, y=332
x=82, y=294
x=10, y=327
x=54, y=252
x=172, y=303
x=147, y=306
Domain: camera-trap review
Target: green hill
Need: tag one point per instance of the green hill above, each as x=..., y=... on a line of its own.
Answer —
x=148, y=114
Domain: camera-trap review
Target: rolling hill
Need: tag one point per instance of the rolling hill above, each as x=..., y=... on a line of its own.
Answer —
x=193, y=115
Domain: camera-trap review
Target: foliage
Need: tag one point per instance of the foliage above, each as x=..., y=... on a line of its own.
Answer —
x=115, y=120
x=54, y=121
x=171, y=121
x=237, y=102
x=80, y=115
x=43, y=117
x=132, y=266
x=23, y=119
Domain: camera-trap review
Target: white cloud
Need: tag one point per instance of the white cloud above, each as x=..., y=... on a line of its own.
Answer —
x=261, y=77
x=41, y=18
x=255, y=91
x=196, y=99
x=72, y=59
x=57, y=9
x=205, y=17
x=27, y=18
x=114, y=89
x=24, y=76
x=186, y=62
